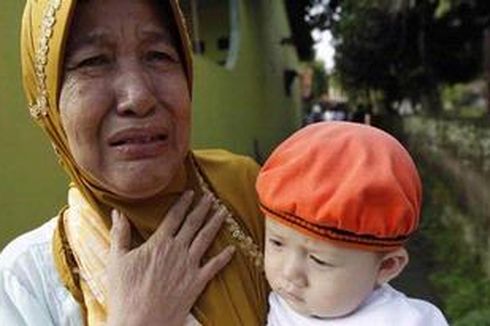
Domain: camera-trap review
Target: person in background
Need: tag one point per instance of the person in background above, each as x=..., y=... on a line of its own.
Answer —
x=362, y=114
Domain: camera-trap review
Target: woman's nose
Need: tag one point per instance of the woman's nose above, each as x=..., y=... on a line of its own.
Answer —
x=294, y=273
x=135, y=93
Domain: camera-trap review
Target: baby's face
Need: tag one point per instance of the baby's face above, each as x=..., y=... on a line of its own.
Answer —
x=315, y=277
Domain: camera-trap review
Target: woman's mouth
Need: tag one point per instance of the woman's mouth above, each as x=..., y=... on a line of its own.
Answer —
x=137, y=144
x=139, y=140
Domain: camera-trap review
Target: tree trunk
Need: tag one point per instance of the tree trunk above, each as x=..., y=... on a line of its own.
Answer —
x=486, y=65
x=431, y=99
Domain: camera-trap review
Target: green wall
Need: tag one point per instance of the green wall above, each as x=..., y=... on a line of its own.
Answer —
x=32, y=186
x=232, y=109
x=212, y=32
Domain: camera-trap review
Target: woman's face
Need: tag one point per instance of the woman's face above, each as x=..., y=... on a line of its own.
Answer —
x=124, y=102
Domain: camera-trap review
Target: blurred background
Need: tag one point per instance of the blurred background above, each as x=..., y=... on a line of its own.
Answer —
x=419, y=69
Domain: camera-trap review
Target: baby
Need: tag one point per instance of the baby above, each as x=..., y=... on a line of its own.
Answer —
x=340, y=199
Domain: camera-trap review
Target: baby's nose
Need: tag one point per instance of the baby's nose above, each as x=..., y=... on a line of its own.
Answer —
x=294, y=272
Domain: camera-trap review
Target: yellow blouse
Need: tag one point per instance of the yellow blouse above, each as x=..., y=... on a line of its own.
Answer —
x=238, y=294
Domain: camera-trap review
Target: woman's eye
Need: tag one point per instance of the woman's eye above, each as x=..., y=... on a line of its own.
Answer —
x=320, y=262
x=158, y=56
x=95, y=61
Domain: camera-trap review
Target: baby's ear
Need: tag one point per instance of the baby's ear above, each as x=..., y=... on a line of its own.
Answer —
x=391, y=265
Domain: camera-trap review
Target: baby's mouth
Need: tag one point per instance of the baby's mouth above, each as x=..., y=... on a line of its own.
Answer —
x=291, y=296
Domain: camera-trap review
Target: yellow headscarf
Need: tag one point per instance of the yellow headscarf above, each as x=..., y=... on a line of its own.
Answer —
x=45, y=29
x=235, y=297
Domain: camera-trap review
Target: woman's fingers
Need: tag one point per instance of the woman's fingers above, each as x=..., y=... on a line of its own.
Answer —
x=170, y=261
x=216, y=264
x=194, y=221
x=206, y=235
x=174, y=218
x=120, y=234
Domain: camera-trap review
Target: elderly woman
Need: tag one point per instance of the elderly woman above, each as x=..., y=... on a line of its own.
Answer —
x=150, y=228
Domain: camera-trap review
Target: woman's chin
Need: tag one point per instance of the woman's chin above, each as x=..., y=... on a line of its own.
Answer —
x=138, y=182
x=138, y=190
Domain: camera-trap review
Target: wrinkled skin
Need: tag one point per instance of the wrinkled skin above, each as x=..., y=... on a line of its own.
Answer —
x=124, y=101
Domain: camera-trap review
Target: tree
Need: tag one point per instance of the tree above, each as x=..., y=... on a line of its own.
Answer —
x=402, y=48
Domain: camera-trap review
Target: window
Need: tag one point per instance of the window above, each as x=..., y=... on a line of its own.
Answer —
x=214, y=26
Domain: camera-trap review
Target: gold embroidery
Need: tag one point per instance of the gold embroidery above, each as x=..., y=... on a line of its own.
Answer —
x=40, y=107
x=243, y=241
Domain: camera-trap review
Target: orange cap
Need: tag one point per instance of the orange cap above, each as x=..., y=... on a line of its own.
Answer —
x=343, y=182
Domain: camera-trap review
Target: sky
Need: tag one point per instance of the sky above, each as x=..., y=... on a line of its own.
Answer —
x=323, y=48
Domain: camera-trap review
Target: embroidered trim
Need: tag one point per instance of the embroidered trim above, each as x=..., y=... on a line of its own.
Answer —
x=243, y=241
x=41, y=105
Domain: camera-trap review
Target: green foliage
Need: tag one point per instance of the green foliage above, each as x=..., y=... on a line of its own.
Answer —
x=468, y=141
x=407, y=49
x=320, y=79
x=464, y=100
x=443, y=8
x=362, y=54
x=455, y=235
x=475, y=318
x=461, y=284
x=463, y=295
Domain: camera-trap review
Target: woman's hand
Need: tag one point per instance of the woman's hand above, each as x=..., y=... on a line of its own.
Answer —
x=158, y=282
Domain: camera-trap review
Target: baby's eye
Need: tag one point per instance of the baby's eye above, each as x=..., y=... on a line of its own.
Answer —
x=319, y=261
x=275, y=242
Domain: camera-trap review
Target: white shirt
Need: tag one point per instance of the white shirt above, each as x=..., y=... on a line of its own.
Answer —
x=31, y=292
x=385, y=307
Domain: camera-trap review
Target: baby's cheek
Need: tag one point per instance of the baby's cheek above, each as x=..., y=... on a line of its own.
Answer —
x=270, y=272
